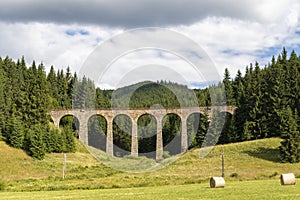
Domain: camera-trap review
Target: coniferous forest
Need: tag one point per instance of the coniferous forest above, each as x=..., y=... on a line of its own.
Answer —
x=266, y=97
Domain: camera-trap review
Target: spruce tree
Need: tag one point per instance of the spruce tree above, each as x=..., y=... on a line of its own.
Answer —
x=290, y=146
x=52, y=80
x=36, y=145
x=228, y=88
x=69, y=140
x=214, y=129
x=199, y=124
x=2, y=98
x=16, y=135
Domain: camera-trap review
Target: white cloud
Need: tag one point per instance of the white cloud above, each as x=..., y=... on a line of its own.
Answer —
x=235, y=43
x=49, y=43
x=150, y=65
x=233, y=33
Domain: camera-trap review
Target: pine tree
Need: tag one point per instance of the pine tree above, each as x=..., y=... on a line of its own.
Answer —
x=228, y=88
x=69, y=140
x=247, y=134
x=199, y=124
x=290, y=146
x=36, y=147
x=51, y=139
x=239, y=117
x=16, y=135
x=52, y=80
x=63, y=89
x=2, y=98
x=214, y=129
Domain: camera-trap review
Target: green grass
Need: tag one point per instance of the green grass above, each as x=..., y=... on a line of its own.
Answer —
x=254, y=160
x=234, y=190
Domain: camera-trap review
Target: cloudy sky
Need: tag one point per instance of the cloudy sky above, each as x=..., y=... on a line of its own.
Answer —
x=233, y=33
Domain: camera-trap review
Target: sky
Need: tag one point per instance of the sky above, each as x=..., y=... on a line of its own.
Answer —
x=232, y=33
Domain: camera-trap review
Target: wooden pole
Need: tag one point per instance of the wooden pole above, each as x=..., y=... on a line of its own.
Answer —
x=223, y=167
x=64, y=166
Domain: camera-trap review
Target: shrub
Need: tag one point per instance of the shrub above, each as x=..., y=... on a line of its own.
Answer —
x=2, y=185
x=274, y=174
x=234, y=175
x=166, y=154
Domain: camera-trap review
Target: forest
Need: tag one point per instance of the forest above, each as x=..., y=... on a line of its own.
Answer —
x=266, y=97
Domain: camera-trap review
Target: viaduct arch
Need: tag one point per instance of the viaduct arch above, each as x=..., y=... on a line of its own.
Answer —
x=83, y=117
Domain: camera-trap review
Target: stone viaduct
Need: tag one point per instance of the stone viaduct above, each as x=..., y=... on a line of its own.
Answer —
x=83, y=117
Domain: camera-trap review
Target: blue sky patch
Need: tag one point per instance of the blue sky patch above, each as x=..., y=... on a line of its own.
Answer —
x=231, y=52
x=83, y=32
x=72, y=32
x=202, y=85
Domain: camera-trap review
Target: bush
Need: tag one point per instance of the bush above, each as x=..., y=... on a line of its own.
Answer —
x=166, y=154
x=274, y=174
x=2, y=185
x=234, y=175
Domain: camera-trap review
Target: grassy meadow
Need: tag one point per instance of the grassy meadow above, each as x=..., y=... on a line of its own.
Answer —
x=252, y=171
x=234, y=190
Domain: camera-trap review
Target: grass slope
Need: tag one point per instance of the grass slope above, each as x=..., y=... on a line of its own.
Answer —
x=243, y=161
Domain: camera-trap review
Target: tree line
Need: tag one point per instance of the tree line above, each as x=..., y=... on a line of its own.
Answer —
x=268, y=104
x=26, y=95
x=267, y=100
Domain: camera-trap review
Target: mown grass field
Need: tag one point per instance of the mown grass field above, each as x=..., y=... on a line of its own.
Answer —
x=235, y=190
x=244, y=162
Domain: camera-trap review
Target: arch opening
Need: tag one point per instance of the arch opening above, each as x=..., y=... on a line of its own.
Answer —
x=122, y=127
x=97, y=130
x=227, y=134
x=147, y=134
x=171, y=134
x=70, y=121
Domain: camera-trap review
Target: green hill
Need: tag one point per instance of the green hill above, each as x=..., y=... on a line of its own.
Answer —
x=146, y=94
x=243, y=161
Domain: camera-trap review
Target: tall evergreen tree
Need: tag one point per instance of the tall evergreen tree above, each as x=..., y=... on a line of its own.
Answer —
x=36, y=147
x=53, y=83
x=228, y=88
x=197, y=129
x=69, y=140
x=290, y=146
x=16, y=135
x=2, y=98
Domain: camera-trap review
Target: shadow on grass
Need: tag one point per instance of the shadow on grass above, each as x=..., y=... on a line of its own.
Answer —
x=269, y=154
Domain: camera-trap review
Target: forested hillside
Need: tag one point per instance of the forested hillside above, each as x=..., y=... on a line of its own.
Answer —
x=267, y=100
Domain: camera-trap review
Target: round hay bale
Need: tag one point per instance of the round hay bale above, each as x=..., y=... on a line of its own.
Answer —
x=287, y=179
x=217, y=182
